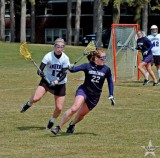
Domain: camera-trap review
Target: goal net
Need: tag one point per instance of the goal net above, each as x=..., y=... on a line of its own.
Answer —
x=121, y=57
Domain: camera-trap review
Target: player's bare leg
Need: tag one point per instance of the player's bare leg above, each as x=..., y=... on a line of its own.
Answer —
x=79, y=100
x=39, y=93
x=149, y=69
x=59, y=102
x=79, y=116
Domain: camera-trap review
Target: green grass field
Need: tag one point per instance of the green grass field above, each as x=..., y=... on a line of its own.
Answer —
x=106, y=132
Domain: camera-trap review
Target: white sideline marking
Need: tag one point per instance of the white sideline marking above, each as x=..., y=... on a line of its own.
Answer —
x=138, y=88
x=141, y=109
x=14, y=89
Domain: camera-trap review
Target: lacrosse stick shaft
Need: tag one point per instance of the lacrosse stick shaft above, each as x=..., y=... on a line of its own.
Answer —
x=40, y=71
x=90, y=47
x=79, y=59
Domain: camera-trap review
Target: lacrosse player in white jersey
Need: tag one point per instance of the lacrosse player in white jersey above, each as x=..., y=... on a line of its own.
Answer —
x=56, y=64
x=154, y=37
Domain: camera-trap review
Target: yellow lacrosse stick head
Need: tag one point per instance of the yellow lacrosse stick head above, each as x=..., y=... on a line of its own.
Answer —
x=90, y=48
x=25, y=52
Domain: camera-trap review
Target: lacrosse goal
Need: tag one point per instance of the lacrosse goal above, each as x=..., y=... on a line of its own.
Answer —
x=121, y=57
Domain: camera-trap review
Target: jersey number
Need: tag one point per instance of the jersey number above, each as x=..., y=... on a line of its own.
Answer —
x=156, y=44
x=58, y=74
x=95, y=79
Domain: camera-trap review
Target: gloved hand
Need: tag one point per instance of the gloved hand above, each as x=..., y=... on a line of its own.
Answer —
x=71, y=67
x=111, y=98
x=145, y=53
x=40, y=73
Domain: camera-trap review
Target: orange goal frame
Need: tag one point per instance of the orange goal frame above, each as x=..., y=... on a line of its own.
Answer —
x=115, y=50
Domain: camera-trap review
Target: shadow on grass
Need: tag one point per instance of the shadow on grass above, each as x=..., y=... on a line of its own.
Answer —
x=62, y=134
x=24, y=128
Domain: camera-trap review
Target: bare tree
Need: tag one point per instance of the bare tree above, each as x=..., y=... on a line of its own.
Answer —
x=32, y=21
x=98, y=21
x=12, y=19
x=69, y=19
x=77, y=22
x=23, y=21
x=116, y=11
x=2, y=36
x=95, y=10
x=145, y=17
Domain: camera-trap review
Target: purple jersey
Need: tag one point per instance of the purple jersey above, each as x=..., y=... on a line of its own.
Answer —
x=95, y=76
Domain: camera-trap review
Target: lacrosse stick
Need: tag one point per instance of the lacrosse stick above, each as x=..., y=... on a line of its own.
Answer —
x=119, y=44
x=27, y=55
x=90, y=47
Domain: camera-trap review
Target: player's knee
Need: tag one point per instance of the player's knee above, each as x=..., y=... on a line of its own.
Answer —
x=139, y=66
x=73, y=109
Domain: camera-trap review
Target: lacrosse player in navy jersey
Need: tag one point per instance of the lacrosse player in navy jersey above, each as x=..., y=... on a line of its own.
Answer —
x=145, y=46
x=56, y=64
x=88, y=94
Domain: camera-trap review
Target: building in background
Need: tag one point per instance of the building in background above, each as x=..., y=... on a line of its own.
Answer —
x=51, y=20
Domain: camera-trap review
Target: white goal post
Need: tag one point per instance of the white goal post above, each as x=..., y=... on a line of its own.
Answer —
x=121, y=57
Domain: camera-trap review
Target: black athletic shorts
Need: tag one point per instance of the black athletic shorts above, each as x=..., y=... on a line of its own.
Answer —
x=156, y=59
x=58, y=90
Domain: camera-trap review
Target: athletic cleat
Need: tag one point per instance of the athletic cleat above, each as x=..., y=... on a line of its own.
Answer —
x=70, y=128
x=146, y=82
x=55, y=130
x=50, y=125
x=155, y=84
x=25, y=107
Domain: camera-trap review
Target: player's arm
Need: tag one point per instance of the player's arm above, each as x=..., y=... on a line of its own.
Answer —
x=148, y=46
x=110, y=87
x=41, y=67
x=78, y=68
x=62, y=74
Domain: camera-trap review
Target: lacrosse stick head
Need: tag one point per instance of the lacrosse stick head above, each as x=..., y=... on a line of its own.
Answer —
x=90, y=48
x=25, y=52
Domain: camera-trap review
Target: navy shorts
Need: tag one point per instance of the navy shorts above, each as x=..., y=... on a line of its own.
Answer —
x=91, y=100
x=58, y=90
x=148, y=58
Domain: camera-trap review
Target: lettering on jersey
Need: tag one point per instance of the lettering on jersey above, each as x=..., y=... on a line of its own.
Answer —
x=140, y=44
x=56, y=67
x=153, y=39
x=96, y=73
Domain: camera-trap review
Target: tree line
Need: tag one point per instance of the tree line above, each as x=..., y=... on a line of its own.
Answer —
x=18, y=8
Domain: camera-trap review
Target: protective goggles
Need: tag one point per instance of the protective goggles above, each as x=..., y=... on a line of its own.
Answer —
x=59, y=47
x=102, y=57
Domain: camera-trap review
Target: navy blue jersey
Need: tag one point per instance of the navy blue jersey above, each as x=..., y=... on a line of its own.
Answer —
x=144, y=44
x=95, y=76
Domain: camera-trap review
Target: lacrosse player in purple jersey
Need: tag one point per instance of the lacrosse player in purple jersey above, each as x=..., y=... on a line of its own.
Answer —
x=56, y=64
x=145, y=46
x=88, y=94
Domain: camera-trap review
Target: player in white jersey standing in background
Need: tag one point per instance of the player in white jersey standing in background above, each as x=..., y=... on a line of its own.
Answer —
x=154, y=37
x=56, y=64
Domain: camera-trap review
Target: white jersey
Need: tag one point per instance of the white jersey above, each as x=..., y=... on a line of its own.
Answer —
x=156, y=43
x=54, y=66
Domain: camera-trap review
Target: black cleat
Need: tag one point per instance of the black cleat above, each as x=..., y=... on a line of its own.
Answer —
x=50, y=125
x=56, y=130
x=146, y=82
x=70, y=128
x=155, y=84
x=25, y=107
